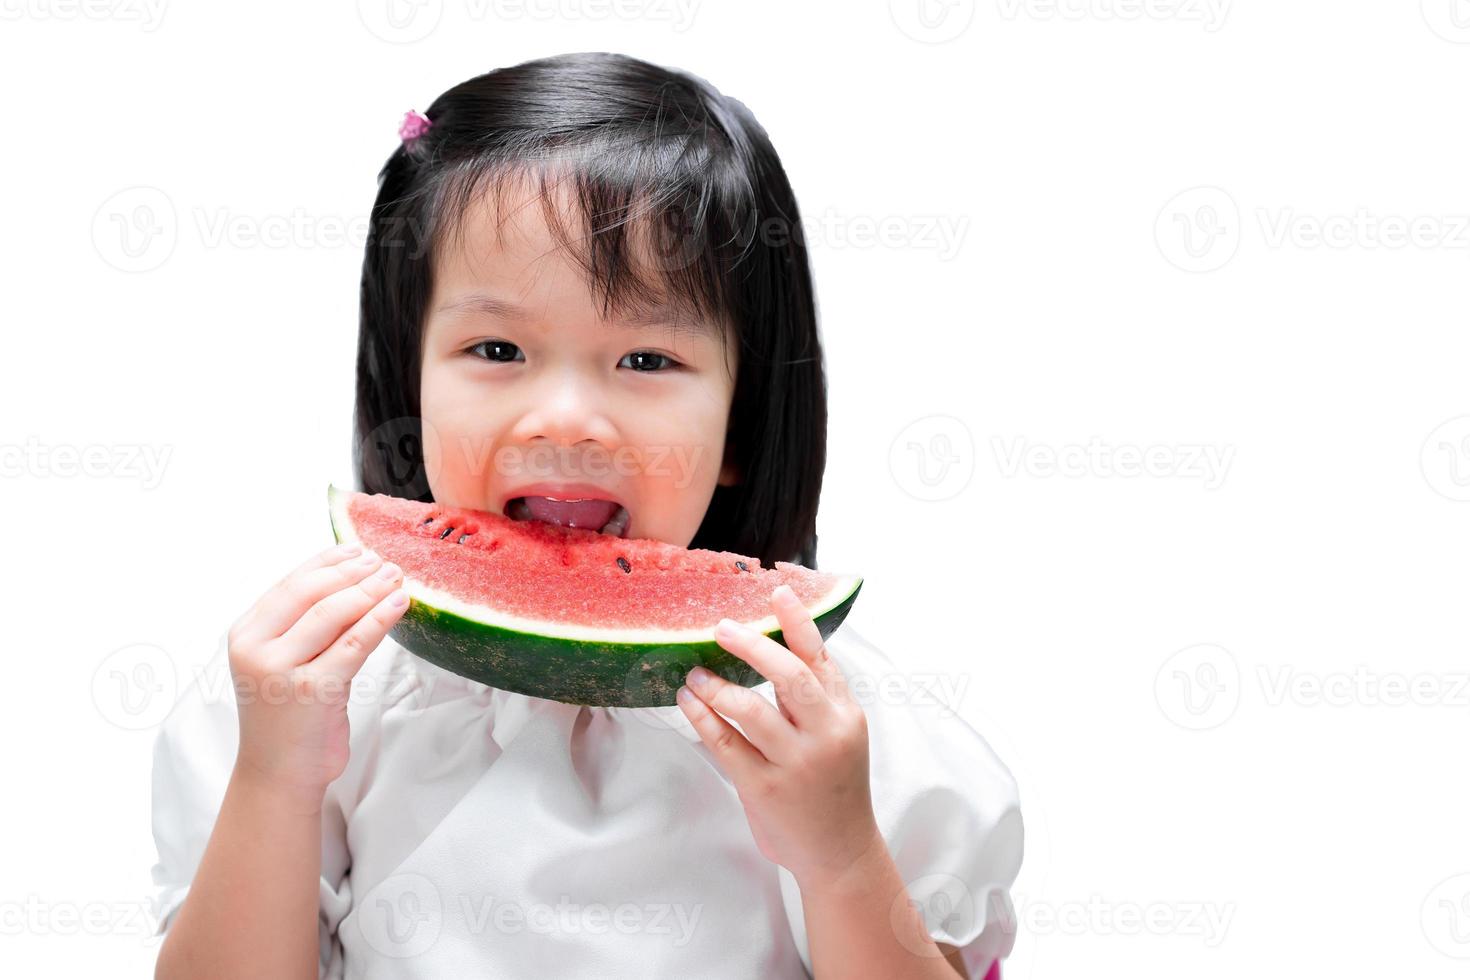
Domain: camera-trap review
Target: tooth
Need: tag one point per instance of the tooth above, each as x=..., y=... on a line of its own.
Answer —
x=618, y=524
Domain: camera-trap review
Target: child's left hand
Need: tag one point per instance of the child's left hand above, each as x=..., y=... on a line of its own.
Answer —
x=801, y=771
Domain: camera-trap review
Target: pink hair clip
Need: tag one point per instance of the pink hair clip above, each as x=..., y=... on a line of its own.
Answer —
x=414, y=125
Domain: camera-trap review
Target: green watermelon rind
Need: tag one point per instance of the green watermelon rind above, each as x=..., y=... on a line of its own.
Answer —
x=607, y=668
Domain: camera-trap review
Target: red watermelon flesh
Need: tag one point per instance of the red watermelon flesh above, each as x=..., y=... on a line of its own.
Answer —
x=537, y=571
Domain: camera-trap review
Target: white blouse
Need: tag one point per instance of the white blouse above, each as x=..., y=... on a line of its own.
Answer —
x=478, y=832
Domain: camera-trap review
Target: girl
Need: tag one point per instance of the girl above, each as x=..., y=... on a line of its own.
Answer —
x=585, y=300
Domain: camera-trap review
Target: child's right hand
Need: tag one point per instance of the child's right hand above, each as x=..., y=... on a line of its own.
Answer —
x=293, y=656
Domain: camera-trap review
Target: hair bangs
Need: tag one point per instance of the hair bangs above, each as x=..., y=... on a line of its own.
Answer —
x=657, y=228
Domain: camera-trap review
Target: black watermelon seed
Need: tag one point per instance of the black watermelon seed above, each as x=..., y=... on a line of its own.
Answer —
x=447, y=530
x=429, y=521
x=741, y=565
x=623, y=564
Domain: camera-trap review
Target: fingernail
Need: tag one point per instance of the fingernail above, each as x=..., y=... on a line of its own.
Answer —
x=726, y=628
x=699, y=677
x=685, y=695
x=398, y=598
x=388, y=571
x=348, y=550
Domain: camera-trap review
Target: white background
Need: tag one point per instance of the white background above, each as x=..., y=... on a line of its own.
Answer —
x=1234, y=698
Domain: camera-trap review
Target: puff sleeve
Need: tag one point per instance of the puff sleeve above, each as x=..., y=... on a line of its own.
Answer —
x=946, y=805
x=193, y=757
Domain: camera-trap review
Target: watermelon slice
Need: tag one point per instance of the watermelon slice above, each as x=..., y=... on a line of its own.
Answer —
x=572, y=614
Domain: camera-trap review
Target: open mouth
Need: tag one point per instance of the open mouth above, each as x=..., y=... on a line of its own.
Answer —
x=604, y=516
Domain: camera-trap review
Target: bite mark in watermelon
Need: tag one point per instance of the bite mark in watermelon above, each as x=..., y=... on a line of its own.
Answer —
x=571, y=614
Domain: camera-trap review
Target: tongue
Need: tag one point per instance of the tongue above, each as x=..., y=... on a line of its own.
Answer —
x=572, y=513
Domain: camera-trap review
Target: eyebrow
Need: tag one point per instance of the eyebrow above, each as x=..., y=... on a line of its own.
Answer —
x=675, y=316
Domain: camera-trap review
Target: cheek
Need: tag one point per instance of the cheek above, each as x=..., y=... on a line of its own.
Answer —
x=682, y=466
x=459, y=436
x=689, y=438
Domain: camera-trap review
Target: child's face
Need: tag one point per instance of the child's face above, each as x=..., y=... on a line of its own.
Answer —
x=552, y=395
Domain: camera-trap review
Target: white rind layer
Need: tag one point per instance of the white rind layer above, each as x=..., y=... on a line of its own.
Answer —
x=439, y=599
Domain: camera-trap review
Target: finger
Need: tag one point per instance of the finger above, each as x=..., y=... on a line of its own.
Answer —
x=250, y=622
x=772, y=735
x=346, y=655
x=737, y=758
x=284, y=605
x=796, y=686
x=322, y=559
x=331, y=615
x=804, y=639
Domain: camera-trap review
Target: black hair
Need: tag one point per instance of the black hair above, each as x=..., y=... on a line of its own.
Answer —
x=654, y=155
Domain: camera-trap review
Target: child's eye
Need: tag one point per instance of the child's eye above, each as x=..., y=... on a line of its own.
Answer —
x=501, y=351
x=504, y=352
x=649, y=360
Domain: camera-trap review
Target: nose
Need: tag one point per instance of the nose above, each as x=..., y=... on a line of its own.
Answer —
x=566, y=411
